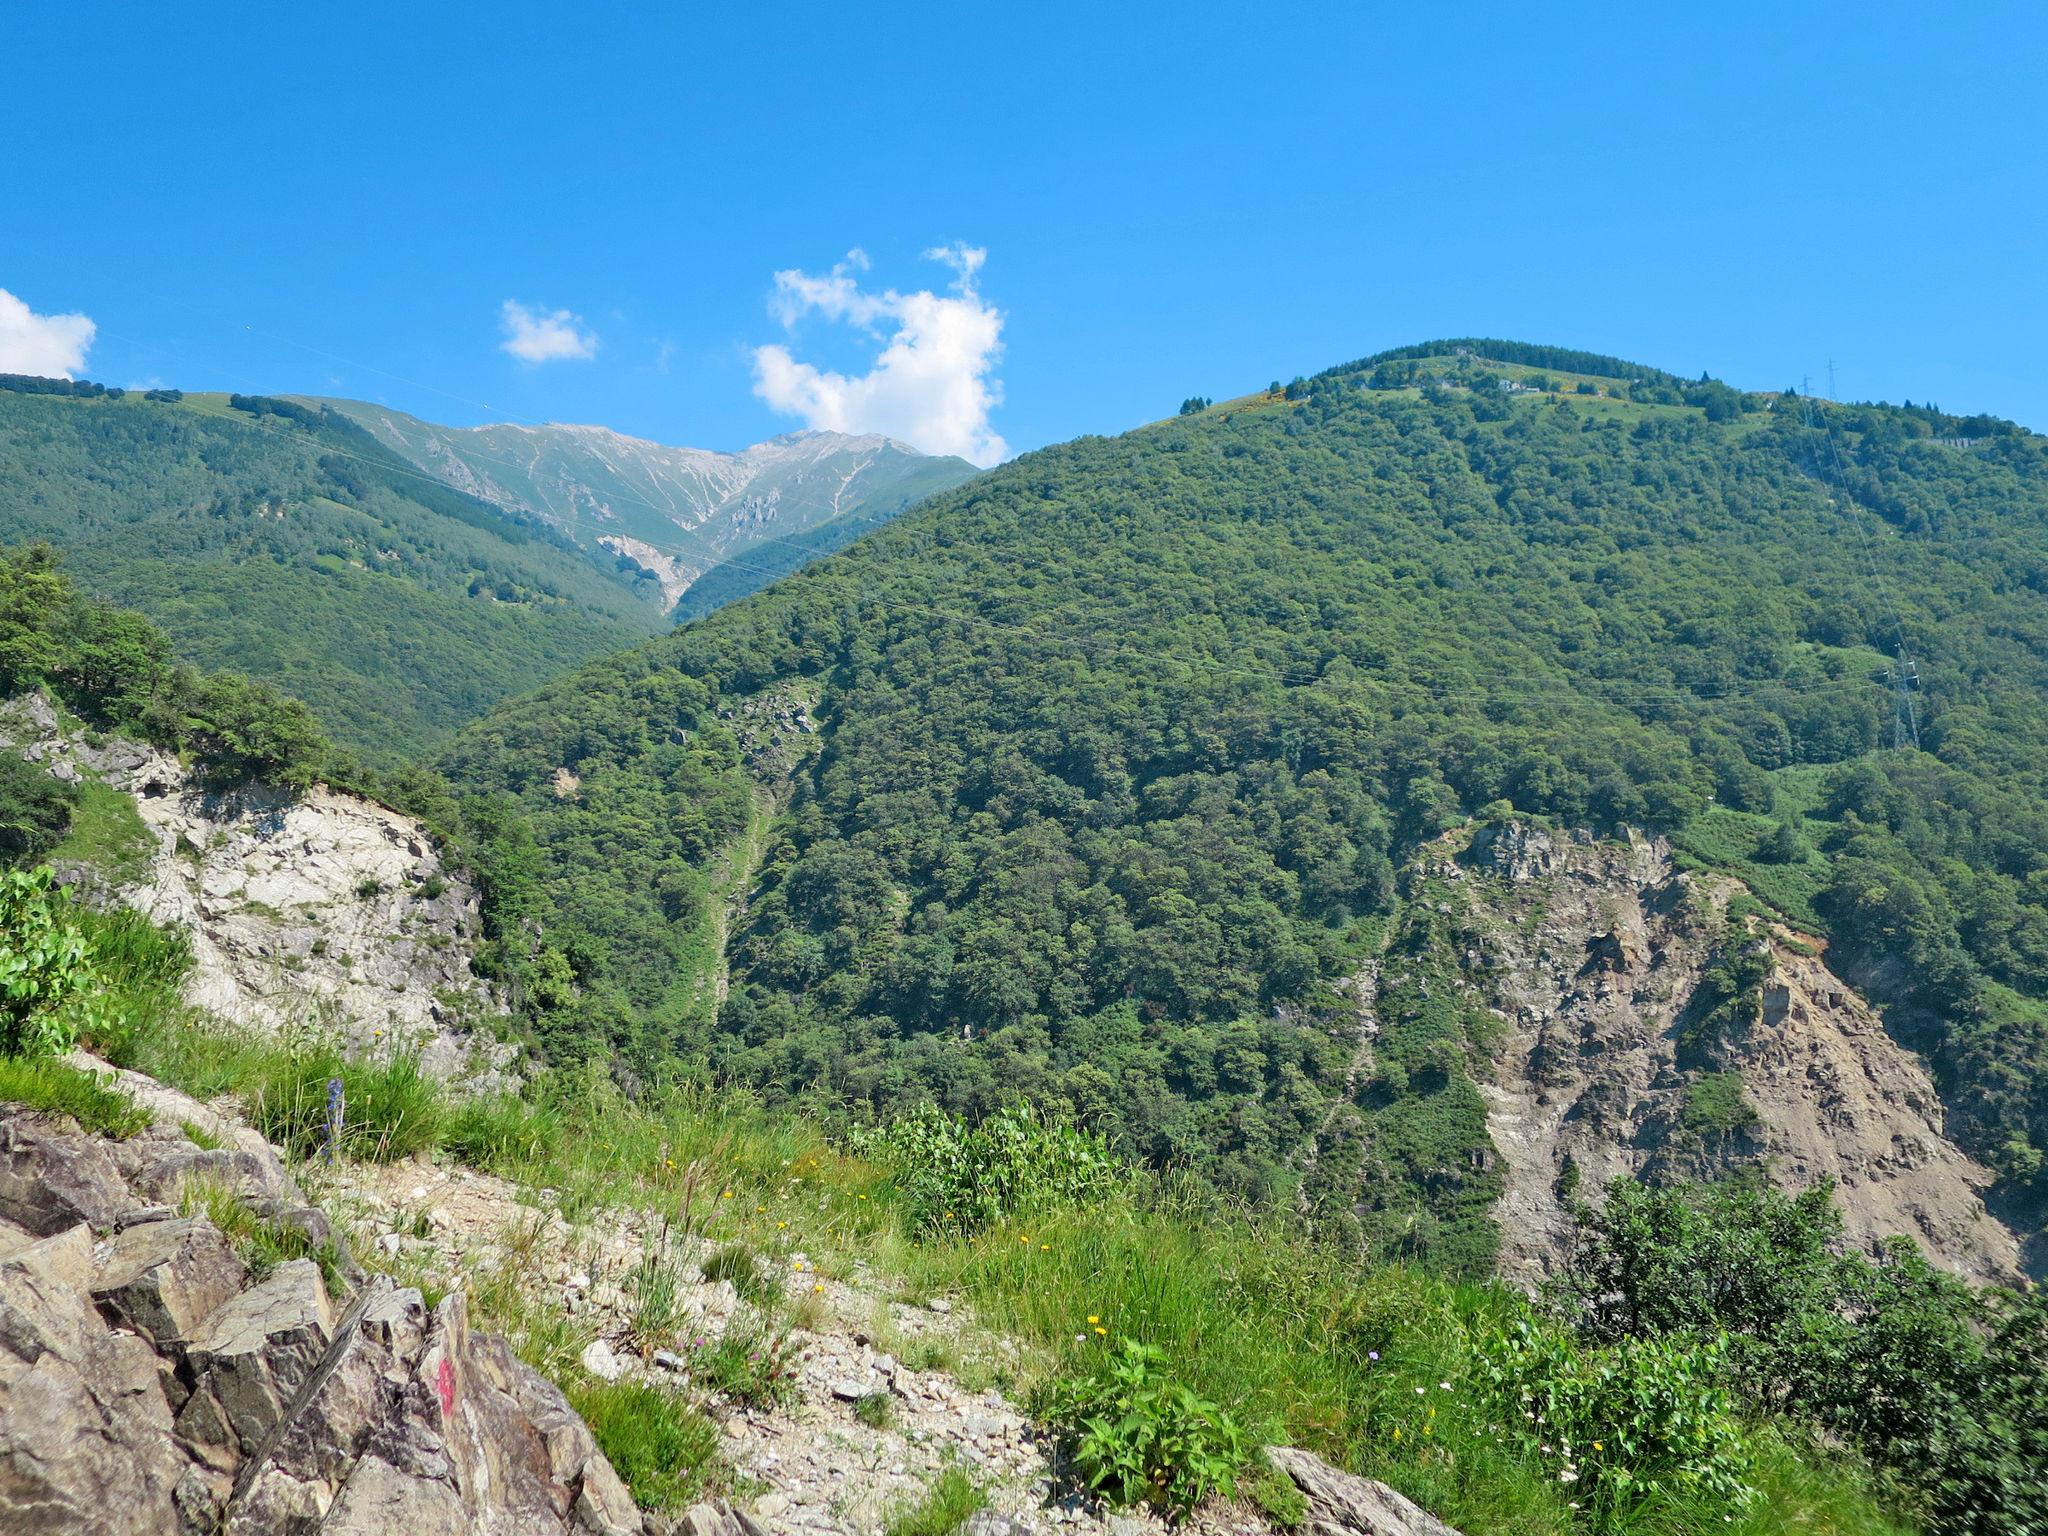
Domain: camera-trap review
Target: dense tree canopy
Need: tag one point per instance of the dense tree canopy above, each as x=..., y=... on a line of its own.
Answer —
x=1118, y=748
x=287, y=544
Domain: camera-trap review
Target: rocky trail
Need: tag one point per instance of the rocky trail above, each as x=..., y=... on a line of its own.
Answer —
x=197, y=1339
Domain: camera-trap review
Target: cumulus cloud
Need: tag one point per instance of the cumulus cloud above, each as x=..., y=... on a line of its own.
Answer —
x=545, y=335
x=932, y=383
x=53, y=346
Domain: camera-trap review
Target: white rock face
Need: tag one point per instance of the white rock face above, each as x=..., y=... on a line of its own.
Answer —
x=322, y=911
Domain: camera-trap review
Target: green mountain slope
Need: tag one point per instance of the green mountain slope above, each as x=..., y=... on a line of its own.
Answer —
x=290, y=546
x=1094, y=775
x=673, y=513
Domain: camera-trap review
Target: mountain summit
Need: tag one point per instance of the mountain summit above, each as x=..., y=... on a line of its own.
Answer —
x=672, y=512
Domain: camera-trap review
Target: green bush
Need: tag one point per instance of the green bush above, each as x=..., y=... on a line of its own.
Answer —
x=1135, y=1435
x=962, y=1176
x=1945, y=1386
x=753, y=1369
x=1642, y=1424
x=47, y=981
x=661, y=1446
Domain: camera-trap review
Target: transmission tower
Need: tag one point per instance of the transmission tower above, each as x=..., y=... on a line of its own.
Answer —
x=1905, y=715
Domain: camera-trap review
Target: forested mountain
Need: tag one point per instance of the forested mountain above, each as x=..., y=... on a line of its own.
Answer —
x=286, y=543
x=672, y=513
x=1091, y=779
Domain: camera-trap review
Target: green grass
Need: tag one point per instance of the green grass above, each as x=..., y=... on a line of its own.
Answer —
x=107, y=835
x=945, y=1505
x=43, y=1083
x=1737, y=843
x=262, y=1241
x=390, y=1109
x=665, y=1449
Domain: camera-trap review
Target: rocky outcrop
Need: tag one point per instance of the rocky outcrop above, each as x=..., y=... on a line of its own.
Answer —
x=1341, y=1504
x=151, y=1383
x=1593, y=954
x=321, y=909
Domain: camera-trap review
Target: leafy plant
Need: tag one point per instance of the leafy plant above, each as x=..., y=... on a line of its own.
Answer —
x=751, y=1368
x=1628, y=1427
x=1138, y=1436
x=965, y=1176
x=47, y=979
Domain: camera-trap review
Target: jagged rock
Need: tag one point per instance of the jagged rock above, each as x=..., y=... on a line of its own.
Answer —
x=257, y=1350
x=717, y=1518
x=51, y=1178
x=85, y=1434
x=164, y=1279
x=1342, y=1504
x=1597, y=954
x=319, y=905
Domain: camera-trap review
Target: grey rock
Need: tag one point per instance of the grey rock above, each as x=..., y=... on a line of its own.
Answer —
x=599, y=1360
x=166, y=1278
x=940, y=1305
x=52, y=1177
x=257, y=1351
x=1342, y=1504
x=669, y=1360
x=85, y=1442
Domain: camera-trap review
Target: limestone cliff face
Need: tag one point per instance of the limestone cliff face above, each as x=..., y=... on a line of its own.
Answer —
x=323, y=910
x=1594, y=954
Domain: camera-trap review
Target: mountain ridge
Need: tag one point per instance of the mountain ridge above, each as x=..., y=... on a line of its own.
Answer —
x=1122, y=751
x=673, y=511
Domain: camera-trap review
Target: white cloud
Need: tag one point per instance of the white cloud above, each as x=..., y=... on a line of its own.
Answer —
x=544, y=336
x=53, y=346
x=932, y=383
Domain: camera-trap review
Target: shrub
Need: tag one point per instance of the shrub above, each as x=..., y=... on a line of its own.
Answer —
x=658, y=1443
x=1136, y=1435
x=1639, y=1424
x=966, y=1176
x=47, y=979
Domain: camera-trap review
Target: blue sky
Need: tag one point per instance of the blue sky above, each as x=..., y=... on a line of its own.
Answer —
x=1171, y=200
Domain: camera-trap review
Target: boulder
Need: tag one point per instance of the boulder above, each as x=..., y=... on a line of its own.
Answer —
x=255, y=1353
x=1343, y=1504
x=52, y=1177
x=165, y=1279
x=85, y=1433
